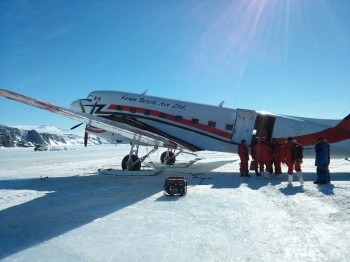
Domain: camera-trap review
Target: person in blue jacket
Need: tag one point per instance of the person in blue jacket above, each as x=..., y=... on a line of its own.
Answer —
x=322, y=161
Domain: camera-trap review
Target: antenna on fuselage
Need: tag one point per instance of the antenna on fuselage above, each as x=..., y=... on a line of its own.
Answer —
x=144, y=92
x=221, y=104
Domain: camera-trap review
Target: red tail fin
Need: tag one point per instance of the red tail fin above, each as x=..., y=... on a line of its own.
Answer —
x=338, y=133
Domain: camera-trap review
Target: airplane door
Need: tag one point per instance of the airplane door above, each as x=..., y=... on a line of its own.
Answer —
x=244, y=125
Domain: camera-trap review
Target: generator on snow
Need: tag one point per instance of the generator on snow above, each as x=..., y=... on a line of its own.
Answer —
x=175, y=185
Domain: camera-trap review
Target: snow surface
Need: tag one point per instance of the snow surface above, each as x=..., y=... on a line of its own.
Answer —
x=56, y=206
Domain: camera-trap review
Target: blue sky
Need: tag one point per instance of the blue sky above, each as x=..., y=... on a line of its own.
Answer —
x=288, y=57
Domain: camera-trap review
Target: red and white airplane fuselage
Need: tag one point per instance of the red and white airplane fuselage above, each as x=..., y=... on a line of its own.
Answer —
x=205, y=127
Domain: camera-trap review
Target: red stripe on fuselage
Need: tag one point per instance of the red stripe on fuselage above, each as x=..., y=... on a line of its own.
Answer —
x=169, y=117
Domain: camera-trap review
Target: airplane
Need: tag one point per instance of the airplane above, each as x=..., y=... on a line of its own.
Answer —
x=187, y=126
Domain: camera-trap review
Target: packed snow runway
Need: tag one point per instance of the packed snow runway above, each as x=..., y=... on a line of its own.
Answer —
x=56, y=206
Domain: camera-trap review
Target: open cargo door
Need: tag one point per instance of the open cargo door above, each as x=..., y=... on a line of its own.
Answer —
x=244, y=125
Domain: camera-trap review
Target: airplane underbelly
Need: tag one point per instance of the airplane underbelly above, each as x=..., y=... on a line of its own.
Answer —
x=198, y=139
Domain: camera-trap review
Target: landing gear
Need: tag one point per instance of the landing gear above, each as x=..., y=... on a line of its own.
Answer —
x=132, y=162
x=168, y=158
x=133, y=165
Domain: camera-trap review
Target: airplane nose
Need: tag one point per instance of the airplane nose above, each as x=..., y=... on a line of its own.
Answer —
x=76, y=105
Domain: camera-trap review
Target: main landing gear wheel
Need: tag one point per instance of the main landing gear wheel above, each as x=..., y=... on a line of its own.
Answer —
x=135, y=167
x=167, y=158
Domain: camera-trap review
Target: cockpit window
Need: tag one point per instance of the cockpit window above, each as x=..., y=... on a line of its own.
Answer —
x=90, y=98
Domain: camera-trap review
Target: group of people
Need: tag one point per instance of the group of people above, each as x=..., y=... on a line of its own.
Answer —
x=267, y=157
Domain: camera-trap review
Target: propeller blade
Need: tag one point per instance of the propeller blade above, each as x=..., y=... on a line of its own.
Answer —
x=74, y=127
x=85, y=138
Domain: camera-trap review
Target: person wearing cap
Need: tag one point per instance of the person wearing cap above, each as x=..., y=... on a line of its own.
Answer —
x=322, y=160
x=243, y=153
x=291, y=160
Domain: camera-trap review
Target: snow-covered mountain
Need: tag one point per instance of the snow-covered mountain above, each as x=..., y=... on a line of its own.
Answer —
x=44, y=135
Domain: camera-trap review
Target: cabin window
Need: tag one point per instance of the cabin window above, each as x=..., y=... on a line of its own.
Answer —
x=118, y=108
x=162, y=115
x=211, y=123
x=195, y=121
x=178, y=118
x=147, y=112
x=229, y=127
x=132, y=109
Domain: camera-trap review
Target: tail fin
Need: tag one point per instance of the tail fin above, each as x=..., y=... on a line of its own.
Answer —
x=341, y=131
x=344, y=124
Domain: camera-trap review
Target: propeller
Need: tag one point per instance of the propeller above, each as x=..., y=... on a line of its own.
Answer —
x=86, y=138
x=74, y=127
x=86, y=135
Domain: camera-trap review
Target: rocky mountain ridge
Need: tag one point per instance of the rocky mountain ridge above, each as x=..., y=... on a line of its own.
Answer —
x=43, y=135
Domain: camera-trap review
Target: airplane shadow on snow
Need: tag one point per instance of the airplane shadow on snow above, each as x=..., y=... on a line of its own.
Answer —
x=70, y=203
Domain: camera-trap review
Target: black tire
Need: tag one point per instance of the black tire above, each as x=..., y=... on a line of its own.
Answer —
x=134, y=158
x=166, y=161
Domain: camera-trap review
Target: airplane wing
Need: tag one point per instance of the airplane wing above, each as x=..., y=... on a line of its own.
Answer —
x=129, y=132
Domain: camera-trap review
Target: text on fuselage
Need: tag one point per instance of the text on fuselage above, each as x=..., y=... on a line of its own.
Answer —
x=153, y=102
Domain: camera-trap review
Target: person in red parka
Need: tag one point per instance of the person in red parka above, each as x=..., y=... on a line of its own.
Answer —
x=243, y=153
x=277, y=154
x=264, y=157
x=253, y=153
x=291, y=159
